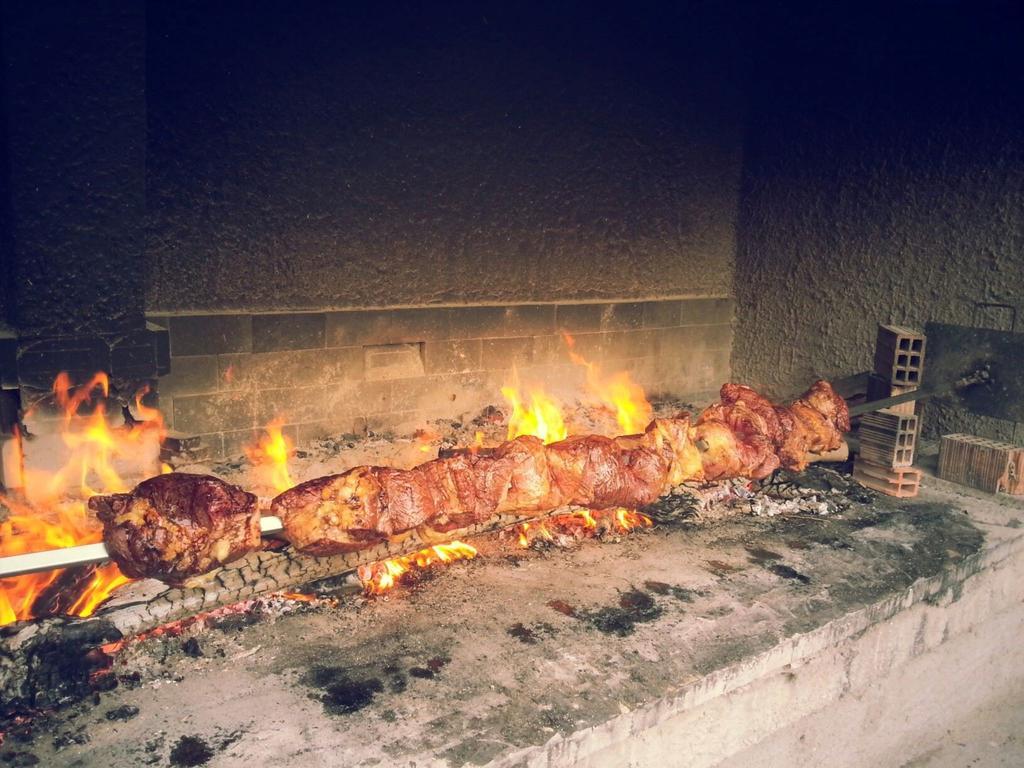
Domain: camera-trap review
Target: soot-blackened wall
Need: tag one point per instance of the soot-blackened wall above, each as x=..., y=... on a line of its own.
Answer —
x=317, y=155
x=883, y=182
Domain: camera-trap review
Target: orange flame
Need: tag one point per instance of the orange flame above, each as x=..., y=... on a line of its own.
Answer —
x=425, y=439
x=541, y=418
x=524, y=540
x=478, y=442
x=270, y=457
x=54, y=513
x=582, y=523
x=628, y=519
x=618, y=392
x=379, y=577
x=540, y=531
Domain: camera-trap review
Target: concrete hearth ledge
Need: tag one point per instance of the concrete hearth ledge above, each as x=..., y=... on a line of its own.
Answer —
x=853, y=640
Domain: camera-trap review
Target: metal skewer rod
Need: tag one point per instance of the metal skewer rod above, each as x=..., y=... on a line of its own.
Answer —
x=979, y=376
x=85, y=554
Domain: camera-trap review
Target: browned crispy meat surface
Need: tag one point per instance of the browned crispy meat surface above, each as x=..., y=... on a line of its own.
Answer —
x=736, y=442
x=352, y=510
x=465, y=488
x=530, y=486
x=176, y=526
x=598, y=472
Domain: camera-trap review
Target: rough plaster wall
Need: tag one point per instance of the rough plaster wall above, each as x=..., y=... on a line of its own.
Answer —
x=885, y=183
x=75, y=123
x=313, y=156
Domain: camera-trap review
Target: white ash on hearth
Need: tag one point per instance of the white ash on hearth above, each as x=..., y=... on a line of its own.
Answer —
x=815, y=491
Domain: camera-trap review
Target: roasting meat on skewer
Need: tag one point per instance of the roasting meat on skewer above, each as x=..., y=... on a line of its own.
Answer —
x=740, y=437
x=173, y=527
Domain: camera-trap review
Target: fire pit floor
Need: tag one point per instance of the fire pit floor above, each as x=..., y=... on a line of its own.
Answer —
x=532, y=657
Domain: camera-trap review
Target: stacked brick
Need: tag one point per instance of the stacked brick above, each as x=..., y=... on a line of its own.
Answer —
x=899, y=364
x=978, y=462
x=888, y=437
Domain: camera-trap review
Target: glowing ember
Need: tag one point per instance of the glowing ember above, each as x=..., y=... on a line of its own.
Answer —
x=270, y=457
x=537, y=414
x=617, y=392
x=268, y=602
x=628, y=519
x=54, y=515
x=425, y=439
x=298, y=597
x=378, y=578
x=580, y=524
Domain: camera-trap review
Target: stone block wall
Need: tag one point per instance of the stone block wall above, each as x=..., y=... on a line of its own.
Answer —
x=348, y=371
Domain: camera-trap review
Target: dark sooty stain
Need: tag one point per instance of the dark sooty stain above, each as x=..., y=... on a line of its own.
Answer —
x=191, y=751
x=342, y=695
x=522, y=633
x=636, y=601
x=531, y=634
x=758, y=555
x=910, y=541
x=122, y=713
x=785, y=572
x=681, y=594
x=684, y=595
x=20, y=759
x=430, y=669
x=192, y=648
x=635, y=607
x=437, y=663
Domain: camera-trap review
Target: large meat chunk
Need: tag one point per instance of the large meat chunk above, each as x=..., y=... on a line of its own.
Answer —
x=823, y=415
x=796, y=438
x=600, y=473
x=466, y=488
x=350, y=511
x=671, y=439
x=176, y=526
x=530, y=488
x=748, y=453
x=822, y=398
x=813, y=424
x=759, y=404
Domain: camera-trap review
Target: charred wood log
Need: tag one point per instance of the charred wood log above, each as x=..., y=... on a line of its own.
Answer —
x=47, y=662
x=61, y=594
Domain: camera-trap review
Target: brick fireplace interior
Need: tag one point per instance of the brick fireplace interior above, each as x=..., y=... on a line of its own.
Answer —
x=359, y=220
